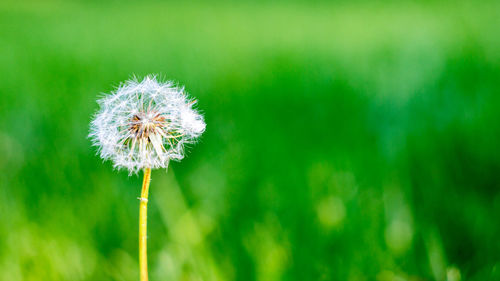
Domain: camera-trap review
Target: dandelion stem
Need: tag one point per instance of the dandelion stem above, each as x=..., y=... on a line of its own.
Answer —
x=143, y=225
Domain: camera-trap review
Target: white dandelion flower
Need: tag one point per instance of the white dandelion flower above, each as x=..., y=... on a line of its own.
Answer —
x=145, y=124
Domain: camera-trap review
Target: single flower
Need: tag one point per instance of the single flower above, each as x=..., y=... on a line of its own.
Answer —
x=142, y=126
x=145, y=124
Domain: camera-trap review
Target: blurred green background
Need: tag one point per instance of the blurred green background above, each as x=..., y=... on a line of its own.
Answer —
x=346, y=140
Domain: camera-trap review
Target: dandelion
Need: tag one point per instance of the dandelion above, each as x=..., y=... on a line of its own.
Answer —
x=142, y=126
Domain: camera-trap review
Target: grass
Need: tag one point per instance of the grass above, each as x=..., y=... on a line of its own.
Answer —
x=344, y=141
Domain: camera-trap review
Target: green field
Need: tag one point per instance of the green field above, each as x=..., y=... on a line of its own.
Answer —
x=344, y=141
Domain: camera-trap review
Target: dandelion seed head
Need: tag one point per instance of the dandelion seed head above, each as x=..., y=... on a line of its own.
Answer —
x=145, y=124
